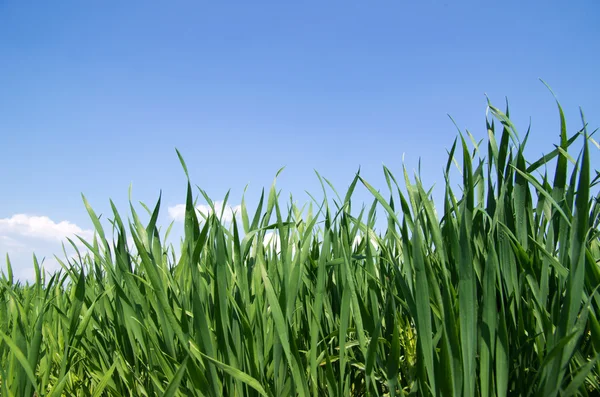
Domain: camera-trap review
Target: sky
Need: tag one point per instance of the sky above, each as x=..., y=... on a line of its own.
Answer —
x=95, y=96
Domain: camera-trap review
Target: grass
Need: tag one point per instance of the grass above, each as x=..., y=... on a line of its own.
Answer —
x=496, y=297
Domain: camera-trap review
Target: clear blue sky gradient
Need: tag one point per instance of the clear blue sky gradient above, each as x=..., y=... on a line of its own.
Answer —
x=96, y=95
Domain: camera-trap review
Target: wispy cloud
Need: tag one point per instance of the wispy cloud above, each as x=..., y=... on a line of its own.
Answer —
x=177, y=212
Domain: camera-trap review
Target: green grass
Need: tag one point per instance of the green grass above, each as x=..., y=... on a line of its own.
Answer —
x=496, y=297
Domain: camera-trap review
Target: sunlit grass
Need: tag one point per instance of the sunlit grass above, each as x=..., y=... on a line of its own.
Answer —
x=495, y=297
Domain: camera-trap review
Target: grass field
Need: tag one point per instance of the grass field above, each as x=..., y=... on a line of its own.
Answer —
x=495, y=296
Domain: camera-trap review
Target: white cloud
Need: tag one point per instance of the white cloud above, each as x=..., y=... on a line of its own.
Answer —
x=12, y=243
x=23, y=270
x=360, y=238
x=177, y=212
x=21, y=235
x=41, y=227
x=272, y=240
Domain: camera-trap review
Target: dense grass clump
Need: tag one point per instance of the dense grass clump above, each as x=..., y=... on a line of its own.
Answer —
x=496, y=297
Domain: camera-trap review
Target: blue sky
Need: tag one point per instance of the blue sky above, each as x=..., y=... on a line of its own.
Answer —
x=97, y=95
